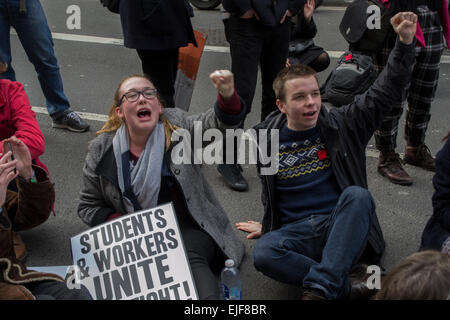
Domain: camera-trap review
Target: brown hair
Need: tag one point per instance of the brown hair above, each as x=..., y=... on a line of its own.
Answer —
x=422, y=276
x=114, y=122
x=3, y=67
x=292, y=72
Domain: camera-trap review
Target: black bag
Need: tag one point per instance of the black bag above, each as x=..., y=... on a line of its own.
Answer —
x=353, y=26
x=353, y=75
x=112, y=5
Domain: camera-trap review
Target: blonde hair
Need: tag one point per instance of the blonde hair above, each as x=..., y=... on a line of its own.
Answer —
x=424, y=275
x=114, y=122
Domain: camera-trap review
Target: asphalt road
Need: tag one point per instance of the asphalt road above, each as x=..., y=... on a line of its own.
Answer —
x=91, y=72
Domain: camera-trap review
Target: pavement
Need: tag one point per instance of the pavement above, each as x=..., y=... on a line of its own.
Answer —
x=91, y=72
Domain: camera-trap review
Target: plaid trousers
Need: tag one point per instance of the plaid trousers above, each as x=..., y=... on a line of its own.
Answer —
x=423, y=84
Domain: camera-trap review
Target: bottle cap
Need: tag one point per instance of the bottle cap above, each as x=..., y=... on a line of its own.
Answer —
x=229, y=263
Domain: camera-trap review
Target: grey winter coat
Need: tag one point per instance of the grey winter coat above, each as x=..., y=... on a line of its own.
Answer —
x=101, y=196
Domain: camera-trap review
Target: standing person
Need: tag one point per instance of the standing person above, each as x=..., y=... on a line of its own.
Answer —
x=436, y=234
x=28, y=19
x=157, y=29
x=301, y=47
x=22, y=210
x=259, y=34
x=319, y=218
x=433, y=23
x=135, y=142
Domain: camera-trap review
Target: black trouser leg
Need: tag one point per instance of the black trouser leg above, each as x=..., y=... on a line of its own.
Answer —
x=161, y=67
x=201, y=251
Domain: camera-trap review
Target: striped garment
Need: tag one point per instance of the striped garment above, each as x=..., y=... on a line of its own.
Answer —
x=423, y=85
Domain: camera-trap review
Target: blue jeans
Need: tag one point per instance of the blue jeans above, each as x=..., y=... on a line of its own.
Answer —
x=318, y=252
x=36, y=39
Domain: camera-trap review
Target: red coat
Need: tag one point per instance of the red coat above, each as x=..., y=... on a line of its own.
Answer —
x=17, y=118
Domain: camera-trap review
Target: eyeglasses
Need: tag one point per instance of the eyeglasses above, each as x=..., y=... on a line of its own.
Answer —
x=133, y=96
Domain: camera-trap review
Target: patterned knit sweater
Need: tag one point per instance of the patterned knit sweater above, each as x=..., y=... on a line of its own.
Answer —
x=305, y=184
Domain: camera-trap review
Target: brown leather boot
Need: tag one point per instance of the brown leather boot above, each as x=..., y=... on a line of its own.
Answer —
x=19, y=247
x=419, y=156
x=389, y=166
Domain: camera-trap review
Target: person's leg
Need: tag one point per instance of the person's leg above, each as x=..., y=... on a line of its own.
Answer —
x=288, y=253
x=422, y=91
x=321, y=62
x=389, y=164
x=245, y=38
x=273, y=59
x=161, y=67
x=57, y=290
x=36, y=39
x=347, y=231
x=201, y=251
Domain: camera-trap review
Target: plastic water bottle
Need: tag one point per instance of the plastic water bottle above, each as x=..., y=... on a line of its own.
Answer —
x=230, y=282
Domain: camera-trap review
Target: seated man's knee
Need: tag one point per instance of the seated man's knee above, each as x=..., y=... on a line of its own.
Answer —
x=360, y=196
x=357, y=193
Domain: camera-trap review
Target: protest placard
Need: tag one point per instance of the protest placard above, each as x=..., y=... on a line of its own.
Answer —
x=138, y=256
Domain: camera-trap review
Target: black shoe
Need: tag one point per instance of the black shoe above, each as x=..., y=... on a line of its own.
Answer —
x=70, y=120
x=358, y=284
x=231, y=173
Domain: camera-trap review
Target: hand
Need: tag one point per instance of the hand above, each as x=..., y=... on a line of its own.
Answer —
x=253, y=227
x=288, y=63
x=308, y=9
x=288, y=13
x=6, y=174
x=21, y=155
x=249, y=14
x=405, y=25
x=223, y=81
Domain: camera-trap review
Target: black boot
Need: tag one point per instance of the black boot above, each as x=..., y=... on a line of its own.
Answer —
x=231, y=173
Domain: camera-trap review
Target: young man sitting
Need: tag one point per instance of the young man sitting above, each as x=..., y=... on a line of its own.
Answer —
x=319, y=220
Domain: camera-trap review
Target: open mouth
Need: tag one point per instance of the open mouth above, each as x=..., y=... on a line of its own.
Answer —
x=144, y=113
x=309, y=114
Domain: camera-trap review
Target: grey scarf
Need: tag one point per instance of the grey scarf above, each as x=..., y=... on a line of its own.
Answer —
x=140, y=183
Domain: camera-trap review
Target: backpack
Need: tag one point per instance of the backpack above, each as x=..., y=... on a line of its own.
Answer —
x=353, y=75
x=112, y=5
x=355, y=31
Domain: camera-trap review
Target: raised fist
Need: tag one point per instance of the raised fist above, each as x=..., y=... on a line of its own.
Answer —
x=405, y=25
x=223, y=81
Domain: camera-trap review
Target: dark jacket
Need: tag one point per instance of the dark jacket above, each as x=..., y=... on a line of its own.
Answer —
x=156, y=24
x=302, y=29
x=270, y=12
x=100, y=195
x=24, y=210
x=437, y=229
x=346, y=132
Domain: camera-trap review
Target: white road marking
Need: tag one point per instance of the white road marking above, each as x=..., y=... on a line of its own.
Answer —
x=216, y=49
